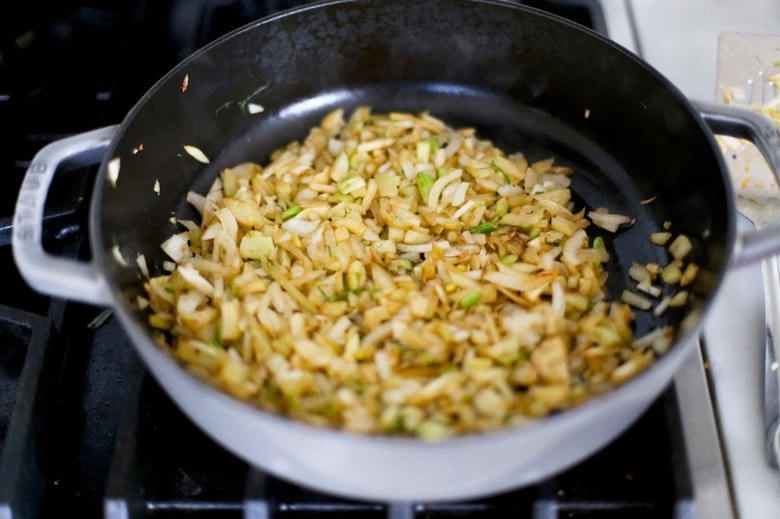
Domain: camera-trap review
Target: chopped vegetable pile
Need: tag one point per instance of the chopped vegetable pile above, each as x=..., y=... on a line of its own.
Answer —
x=392, y=275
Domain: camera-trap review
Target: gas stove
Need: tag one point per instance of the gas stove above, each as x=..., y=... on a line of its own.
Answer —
x=86, y=431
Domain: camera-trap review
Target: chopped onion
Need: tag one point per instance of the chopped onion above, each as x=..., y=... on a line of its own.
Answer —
x=177, y=246
x=196, y=154
x=255, y=245
x=189, y=224
x=140, y=260
x=340, y=168
x=197, y=201
x=113, y=171
x=662, y=306
x=463, y=209
x=647, y=288
x=459, y=197
x=573, y=246
x=639, y=273
x=254, y=108
x=417, y=248
x=660, y=238
x=659, y=340
x=300, y=227
x=679, y=299
x=193, y=278
x=118, y=256
x=680, y=247
x=508, y=190
x=636, y=300
x=609, y=221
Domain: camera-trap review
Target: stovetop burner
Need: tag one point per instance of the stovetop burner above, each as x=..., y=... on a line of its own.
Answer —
x=83, y=428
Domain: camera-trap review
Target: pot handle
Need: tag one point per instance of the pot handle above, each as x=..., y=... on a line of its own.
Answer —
x=748, y=124
x=46, y=273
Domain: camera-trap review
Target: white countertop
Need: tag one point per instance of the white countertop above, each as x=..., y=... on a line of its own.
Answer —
x=680, y=37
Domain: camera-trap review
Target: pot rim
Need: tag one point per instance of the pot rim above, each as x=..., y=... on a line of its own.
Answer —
x=678, y=351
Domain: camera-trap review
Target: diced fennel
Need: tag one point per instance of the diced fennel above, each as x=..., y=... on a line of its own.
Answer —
x=411, y=260
x=424, y=184
x=256, y=246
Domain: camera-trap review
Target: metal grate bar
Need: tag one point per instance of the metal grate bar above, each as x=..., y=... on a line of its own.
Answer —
x=22, y=480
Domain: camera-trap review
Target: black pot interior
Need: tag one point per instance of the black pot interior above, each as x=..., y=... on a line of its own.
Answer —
x=523, y=78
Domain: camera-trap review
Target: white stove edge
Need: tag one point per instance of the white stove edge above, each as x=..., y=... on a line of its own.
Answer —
x=703, y=448
x=734, y=337
x=721, y=406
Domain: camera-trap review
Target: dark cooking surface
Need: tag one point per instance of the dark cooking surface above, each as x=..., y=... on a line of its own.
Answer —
x=83, y=429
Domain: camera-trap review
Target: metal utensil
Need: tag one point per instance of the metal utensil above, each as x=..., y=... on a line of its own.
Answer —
x=746, y=63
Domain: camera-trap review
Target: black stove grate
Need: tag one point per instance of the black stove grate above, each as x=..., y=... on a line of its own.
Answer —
x=84, y=430
x=156, y=474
